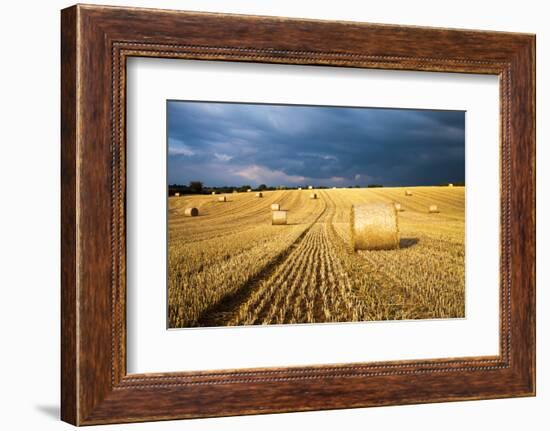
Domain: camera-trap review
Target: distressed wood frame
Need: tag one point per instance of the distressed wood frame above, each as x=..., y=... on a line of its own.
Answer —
x=95, y=43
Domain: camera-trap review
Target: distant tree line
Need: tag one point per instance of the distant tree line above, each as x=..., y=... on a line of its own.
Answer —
x=198, y=188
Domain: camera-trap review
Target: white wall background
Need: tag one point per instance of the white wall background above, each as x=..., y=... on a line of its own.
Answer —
x=29, y=225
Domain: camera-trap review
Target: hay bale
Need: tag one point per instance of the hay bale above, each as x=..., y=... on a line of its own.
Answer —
x=248, y=190
x=278, y=217
x=299, y=188
x=275, y=207
x=408, y=193
x=310, y=187
x=374, y=226
x=222, y=199
x=433, y=209
x=398, y=207
x=177, y=195
x=213, y=193
x=313, y=196
x=450, y=184
x=259, y=195
x=191, y=212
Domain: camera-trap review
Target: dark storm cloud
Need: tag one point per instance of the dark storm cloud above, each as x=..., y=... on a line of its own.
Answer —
x=234, y=144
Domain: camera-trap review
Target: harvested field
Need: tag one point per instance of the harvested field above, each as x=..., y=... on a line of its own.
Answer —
x=231, y=266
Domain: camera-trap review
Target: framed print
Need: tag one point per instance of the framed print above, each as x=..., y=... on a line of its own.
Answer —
x=303, y=273
x=265, y=215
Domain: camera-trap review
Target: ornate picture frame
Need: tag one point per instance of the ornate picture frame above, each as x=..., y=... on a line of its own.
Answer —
x=96, y=41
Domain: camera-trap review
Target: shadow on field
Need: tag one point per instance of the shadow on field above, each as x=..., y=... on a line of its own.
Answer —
x=408, y=242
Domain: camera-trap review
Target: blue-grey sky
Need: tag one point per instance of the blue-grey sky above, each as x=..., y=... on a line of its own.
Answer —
x=223, y=144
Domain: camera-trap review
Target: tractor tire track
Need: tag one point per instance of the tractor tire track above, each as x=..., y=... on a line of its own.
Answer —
x=221, y=312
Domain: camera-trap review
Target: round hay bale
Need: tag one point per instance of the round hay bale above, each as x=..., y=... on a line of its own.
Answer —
x=398, y=207
x=299, y=188
x=310, y=187
x=275, y=207
x=248, y=190
x=278, y=217
x=259, y=195
x=450, y=185
x=313, y=196
x=213, y=193
x=222, y=199
x=408, y=193
x=374, y=226
x=177, y=195
x=191, y=212
x=433, y=209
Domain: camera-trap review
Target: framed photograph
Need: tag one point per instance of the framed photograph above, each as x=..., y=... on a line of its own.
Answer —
x=293, y=214
x=264, y=215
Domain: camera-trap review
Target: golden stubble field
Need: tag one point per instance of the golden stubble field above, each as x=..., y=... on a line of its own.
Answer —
x=230, y=266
